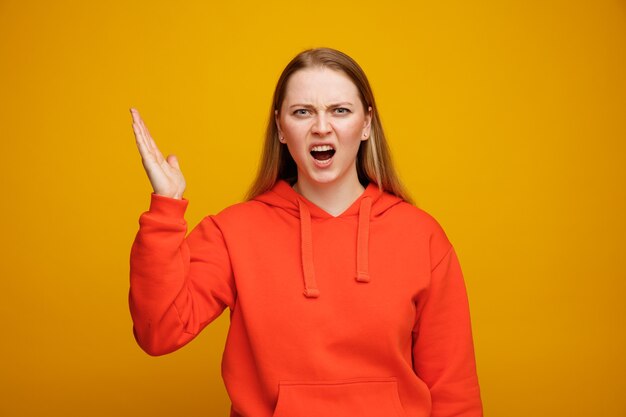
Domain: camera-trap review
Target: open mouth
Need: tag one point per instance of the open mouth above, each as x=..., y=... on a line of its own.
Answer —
x=322, y=153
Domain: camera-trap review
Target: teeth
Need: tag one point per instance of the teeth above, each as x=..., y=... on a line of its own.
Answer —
x=320, y=148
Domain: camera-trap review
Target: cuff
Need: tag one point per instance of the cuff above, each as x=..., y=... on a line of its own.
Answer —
x=167, y=206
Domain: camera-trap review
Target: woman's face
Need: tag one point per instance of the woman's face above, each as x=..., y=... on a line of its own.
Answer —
x=322, y=107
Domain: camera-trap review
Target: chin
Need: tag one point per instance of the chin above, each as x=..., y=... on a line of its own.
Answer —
x=324, y=178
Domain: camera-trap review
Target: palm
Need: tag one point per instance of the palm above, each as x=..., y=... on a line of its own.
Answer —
x=164, y=173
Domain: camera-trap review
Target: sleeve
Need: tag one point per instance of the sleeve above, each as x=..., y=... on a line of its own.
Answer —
x=443, y=349
x=178, y=284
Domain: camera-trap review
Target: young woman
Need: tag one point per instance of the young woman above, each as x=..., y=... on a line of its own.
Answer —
x=345, y=299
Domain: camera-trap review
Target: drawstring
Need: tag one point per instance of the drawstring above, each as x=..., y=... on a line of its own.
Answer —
x=310, y=285
x=362, y=261
x=362, y=264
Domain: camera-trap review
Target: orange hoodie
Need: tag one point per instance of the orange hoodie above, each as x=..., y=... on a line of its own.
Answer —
x=363, y=314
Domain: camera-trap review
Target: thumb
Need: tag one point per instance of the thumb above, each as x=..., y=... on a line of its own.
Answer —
x=173, y=161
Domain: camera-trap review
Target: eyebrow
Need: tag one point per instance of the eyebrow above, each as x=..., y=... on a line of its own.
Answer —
x=310, y=106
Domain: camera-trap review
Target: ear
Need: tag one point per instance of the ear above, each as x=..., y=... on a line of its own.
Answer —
x=367, y=126
x=277, y=120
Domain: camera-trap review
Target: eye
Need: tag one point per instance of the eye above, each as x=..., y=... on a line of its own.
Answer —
x=342, y=110
x=300, y=112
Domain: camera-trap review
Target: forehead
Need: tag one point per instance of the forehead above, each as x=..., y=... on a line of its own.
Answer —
x=320, y=84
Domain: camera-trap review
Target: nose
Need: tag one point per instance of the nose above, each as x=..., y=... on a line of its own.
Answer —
x=321, y=126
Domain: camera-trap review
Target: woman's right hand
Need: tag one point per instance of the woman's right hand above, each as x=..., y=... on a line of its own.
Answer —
x=164, y=173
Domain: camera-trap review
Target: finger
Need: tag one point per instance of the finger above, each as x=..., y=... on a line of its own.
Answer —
x=141, y=143
x=144, y=128
x=144, y=131
x=155, y=151
x=135, y=115
x=151, y=140
x=139, y=132
x=139, y=121
x=173, y=161
x=159, y=156
x=140, y=140
x=150, y=143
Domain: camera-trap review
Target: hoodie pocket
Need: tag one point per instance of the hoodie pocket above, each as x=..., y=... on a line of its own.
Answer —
x=363, y=397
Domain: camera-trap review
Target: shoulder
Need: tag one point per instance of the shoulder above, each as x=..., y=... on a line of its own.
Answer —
x=407, y=213
x=419, y=221
x=243, y=208
x=231, y=221
x=239, y=214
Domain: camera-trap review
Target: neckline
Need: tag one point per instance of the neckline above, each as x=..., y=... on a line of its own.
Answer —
x=316, y=211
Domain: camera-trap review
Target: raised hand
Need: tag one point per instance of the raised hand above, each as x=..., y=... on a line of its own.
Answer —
x=164, y=173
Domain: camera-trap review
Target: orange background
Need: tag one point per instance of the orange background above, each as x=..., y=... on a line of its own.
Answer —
x=506, y=120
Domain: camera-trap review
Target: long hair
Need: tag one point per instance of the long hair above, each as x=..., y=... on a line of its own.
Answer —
x=373, y=160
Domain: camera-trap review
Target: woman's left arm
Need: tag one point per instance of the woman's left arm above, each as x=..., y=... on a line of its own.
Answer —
x=443, y=349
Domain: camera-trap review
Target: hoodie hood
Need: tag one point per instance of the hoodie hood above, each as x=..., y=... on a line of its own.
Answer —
x=370, y=204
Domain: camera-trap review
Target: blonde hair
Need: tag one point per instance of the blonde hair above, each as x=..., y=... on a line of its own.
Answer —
x=373, y=161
